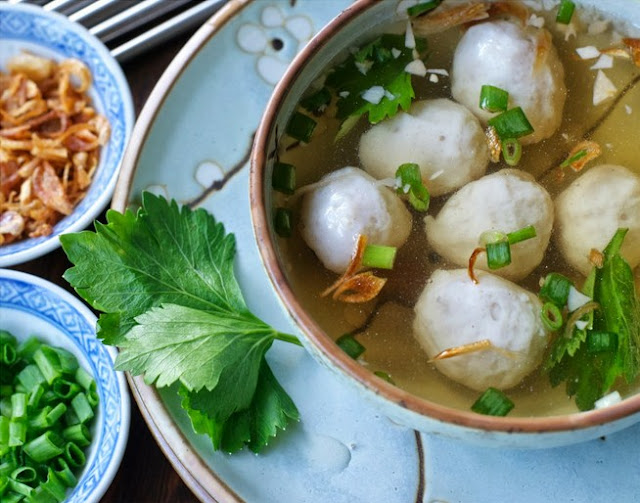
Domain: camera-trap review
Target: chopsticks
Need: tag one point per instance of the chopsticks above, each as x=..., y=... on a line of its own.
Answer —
x=131, y=27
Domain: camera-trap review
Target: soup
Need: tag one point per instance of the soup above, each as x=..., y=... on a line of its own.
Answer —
x=385, y=324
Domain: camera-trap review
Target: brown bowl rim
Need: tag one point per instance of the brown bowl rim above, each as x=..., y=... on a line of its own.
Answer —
x=322, y=342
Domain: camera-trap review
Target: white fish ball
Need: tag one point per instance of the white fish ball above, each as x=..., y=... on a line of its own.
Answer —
x=452, y=311
x=345, y=204
x=441, y=136
x=599, y=202
x=520, y=60
x=505, y=201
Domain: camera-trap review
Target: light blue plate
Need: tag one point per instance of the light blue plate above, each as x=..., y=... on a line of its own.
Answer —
x=52, y=35
x=192, y=143
x=32, y=306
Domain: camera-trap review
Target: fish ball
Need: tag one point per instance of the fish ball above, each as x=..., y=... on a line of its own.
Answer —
x=440, y=136
x=505, y=201
x=452, y=311
x=589, y=211
x=520, y=60
x=345, y=204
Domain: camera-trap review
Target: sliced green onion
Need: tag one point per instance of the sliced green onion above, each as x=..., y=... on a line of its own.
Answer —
x=385, y=376
x=317, y=102
x=64, y=389
x=601, y=342
x=62, y=470
x=492, y=237
x=565, y=12
x=18, y=405
x=92, y=397
x=67, y=362
x=84, y=379
x=17, y=432
x=43, y=448
x=423, y=7
x=551, y=316
x=12, y=497
x=511, y=151
x=555, y=289
x=20, y=488
x=54, y=486
x=350, y=345
x=575, y=157
x=6, y=390
x=284, y=177
x=493, y=402
x=34, y=396
x=78, y=434
x=498, y=254
x=301, y=127
x=8, y=354
x=74, y=455
x=511, y=124
x=410, y=183
x=4, y=436
x=24, y=474
x=28, y=347
x=82, y=408
x=5, y=406
x=30, y=377
x=48, y=363
x=520, y=235
x=493, y=99
x=379, y=257
x=55, y=414
x=282, y=222
x=39, y=421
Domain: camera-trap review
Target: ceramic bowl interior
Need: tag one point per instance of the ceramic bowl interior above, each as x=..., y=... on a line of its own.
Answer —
x=33, y=306
x=51, y=35
x=360, y=22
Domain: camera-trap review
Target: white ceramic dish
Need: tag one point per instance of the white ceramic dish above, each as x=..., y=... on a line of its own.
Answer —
x=52, y=35
x=343, y=450
x=32, y=306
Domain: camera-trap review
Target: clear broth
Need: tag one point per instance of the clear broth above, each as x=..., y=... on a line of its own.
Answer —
x=384, y=325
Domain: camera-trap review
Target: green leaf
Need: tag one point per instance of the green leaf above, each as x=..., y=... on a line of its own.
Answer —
x=349, y=81
x=164, y=279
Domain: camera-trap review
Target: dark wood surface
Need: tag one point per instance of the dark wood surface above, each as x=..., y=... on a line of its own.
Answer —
x=145, y=475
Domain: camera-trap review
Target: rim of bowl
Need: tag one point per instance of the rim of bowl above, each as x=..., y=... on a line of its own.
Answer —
x=46, y=244
x=319, y=339
x=120, y=445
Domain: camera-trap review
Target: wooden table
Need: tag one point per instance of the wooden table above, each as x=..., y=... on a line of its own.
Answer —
x=145, y=475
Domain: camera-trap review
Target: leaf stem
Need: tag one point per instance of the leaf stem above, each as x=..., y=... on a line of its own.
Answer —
x=288, y=338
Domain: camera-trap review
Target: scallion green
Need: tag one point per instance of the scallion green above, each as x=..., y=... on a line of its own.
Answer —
x=74, y=455
x=317, y=102
x=493, y=402
x=498, y=254
x=409, y=181
x=284, y=178
x=520, y=235
x=379, y=256
x=282, y=222
x=350, y=345
x=565, y=12
x=423, y=7
x=301, y=127
x=511, y=124
x=551, y=316
x=82, y=407
x=44, y=447
x=8, y=354
x=601, y=342
x=385, y=376
x=493, y=99
x=511, y=151
x=54, y=486
x=555, y=289
x=575, y=157
x=18, y=405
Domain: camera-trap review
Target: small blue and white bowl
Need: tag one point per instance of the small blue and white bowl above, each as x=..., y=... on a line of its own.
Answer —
x=32, y=306
x=52, y=35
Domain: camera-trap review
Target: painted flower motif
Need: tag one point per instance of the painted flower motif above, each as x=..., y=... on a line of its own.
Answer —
x=275, y=41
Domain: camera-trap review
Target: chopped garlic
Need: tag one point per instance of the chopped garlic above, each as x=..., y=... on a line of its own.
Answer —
x=604, y=61
x=409, y=39
x=628, y=109
x=439, y=71
x=537, y=21
x=581, y=324
x=416, y=67
x=608, y=400
x=603, y=89
x=374, y=94
x=433, y=78
x=588, y=52
x=364, y=66
x=576, y=299
x=395, y=53
x=343, y=94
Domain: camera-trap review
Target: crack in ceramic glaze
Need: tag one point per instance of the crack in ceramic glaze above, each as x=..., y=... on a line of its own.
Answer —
x=219, y=183
x=421, y=466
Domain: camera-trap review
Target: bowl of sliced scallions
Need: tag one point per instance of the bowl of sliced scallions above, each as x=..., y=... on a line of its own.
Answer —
x=64, y=411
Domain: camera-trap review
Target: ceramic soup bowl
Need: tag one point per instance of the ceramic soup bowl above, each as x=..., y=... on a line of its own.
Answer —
x=358, y=24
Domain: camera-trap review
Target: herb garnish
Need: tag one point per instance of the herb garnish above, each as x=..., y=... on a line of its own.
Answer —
x=590, y=375
x=379, y=63
x=164, y=280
